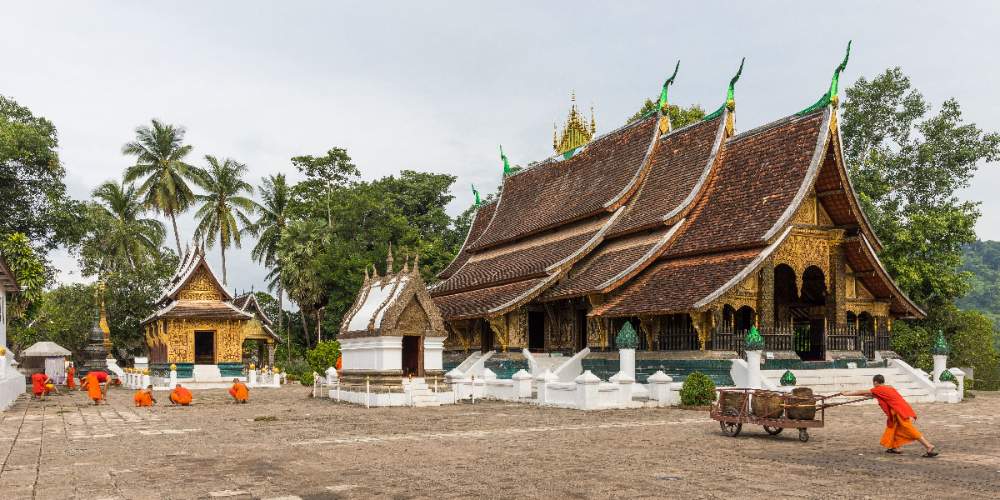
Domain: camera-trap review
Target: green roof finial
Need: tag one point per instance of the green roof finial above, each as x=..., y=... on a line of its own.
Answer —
x=476, y=194
x=940, y=346
x=831, y=97
x=947, y=376
x=787, y=378
x=506, y=164
x=730, y=94
x=753, y=340
x=666, y=88
x=627, y=338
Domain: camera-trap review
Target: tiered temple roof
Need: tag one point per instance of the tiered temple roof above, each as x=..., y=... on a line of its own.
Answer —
x=248, y=304
x=660, y=221
x=195, y=292
x=391, y=304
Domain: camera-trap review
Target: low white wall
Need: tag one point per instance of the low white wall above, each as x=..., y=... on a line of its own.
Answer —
x=11, y=386
x=374, y=353
x=433, y=350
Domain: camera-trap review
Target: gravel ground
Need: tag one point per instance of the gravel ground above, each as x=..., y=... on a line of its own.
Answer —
x=285, y=445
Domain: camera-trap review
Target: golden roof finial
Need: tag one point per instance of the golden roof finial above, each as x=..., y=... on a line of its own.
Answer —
x=576, y=132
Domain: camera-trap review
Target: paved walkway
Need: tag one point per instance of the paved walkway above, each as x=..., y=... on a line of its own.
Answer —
x=285, y=445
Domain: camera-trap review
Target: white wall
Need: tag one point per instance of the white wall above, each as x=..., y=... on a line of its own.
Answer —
x=433, y=349
x=373, y=353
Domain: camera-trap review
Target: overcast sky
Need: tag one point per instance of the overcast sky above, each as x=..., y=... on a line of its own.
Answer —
x=435, y=86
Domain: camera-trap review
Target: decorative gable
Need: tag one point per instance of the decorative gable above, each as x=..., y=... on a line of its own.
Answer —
x=200, y=286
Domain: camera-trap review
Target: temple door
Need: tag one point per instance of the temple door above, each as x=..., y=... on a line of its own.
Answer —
x=412, y=354
x=204, y=348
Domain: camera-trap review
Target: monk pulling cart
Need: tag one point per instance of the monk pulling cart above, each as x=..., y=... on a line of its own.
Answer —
x=775, y=411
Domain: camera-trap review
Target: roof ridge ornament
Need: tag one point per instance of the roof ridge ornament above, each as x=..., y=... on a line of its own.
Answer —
x=664, y=104
x=730, y=103
x=475, y=193
x=831, y=96
x=388, y=261
x=506, y=164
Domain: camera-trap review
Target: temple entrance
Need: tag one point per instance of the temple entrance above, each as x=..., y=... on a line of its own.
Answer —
x=204, y=348
x=804, y=313
x=486, y=336
x=536, y=331
x=411, y=356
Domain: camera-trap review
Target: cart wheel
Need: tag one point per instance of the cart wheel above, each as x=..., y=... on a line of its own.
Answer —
x=803, y=435
x=730, y=429
x=774, y=431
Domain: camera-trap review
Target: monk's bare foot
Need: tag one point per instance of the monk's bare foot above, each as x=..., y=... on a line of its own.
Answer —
x=931, y=452
x=893, y=451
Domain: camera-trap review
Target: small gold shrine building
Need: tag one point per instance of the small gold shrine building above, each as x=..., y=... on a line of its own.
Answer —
x=198, y=328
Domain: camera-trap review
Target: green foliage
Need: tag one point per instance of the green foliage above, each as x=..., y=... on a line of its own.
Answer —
x=907, y=167
x=323, y=356
x=130, y=297
x=306, y=378
x=32, y=194
x=116, y=232
x=65, y=316
x=981, y=259
x=697, y=390
x=28, y=270
x=679, y=117
x=159, y=153
x=969, y=333
x=224, y=212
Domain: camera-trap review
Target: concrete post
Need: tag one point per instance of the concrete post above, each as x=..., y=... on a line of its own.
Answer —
x=543, y=380
x=626, y=363
x=586, y=391
x=625, y=391
x=146, y=382
x=522, y=384
x=659, y=388
x=754, y=379
x=173, y=376
x=940, y=365
x=252, y=378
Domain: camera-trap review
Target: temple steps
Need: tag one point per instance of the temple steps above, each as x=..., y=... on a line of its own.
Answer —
x=829, y=381
x=419, y=393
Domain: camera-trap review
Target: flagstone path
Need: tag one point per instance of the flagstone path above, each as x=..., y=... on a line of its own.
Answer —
x=285, y=445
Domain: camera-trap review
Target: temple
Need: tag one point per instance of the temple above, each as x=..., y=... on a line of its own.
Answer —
x=198, y=328
x=264, y=337
x=693, y=235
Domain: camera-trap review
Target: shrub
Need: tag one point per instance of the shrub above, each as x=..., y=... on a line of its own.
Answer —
x=306, y=378
x=323, y=356
x=698, y=390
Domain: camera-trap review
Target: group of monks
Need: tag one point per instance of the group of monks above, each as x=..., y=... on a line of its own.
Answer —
x=182, y=396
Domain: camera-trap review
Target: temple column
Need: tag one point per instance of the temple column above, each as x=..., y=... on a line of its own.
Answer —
x=270, y=352
x=836, y=300
x=765, y=294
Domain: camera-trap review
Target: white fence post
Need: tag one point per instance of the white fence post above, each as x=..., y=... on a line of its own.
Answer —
x=522, y=384
x=586, y=391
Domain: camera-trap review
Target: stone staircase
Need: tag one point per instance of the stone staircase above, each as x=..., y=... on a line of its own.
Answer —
x=419, y=394
x=548, y=361
x=833, y=380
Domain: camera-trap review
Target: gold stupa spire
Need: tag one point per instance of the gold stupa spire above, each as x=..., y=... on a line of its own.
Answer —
x=576, y=132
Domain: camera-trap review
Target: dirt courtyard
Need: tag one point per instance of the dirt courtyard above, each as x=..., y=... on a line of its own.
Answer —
x=285, y=445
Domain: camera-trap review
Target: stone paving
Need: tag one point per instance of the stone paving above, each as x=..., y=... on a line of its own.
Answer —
x=285, y=445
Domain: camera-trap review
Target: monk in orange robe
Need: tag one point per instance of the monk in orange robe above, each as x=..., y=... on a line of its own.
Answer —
x=93, y=386
x=70, y=374
x=239, y=391
x=899, y=428
x=144, y=397
x=39, y=381
x=181, y=396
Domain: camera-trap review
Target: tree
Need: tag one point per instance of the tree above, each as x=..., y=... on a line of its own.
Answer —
x=65, y=316
x=224, y=213
x=273, y=214
x=120, y=233
x=679, y=117
x=301, y=270
x=130, y=296
x=33, y=197
x=325, y=174
x=981, y=259
x=907, y=167
x=31, y=274
x=159, y=159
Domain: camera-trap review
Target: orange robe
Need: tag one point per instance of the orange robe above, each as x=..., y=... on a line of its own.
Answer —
x=239, y=392
x=899, y=429
x=181, y=396
x=38, y=384
x=70, y=383
x=340, y=363
x=143, y=398
x=93, y=387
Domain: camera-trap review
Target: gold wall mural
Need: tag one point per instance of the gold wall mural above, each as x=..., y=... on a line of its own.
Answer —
x=200, y=287
x=229, y=337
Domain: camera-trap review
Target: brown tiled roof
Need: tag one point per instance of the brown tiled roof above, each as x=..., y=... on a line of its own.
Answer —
x=601, y=266
x=248, y=303
x=557, y=191
x=515, y=262
x=479, y=302
x=7, y=280
x=756, y=184
x=677, y=285
x=681, y=160
x=201, y=309
x=483, y=216
x=862, y=259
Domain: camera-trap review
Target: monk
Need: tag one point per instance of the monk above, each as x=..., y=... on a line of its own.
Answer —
x=899, y=428
x=239, y=391
x=70, y=377
x=144, y=397
x=181, y=396
x=39, y=385
x=93, y=385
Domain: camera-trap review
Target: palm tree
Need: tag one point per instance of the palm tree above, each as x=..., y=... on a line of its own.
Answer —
x=123, y=234
x=224, y=209
x=275, y=194
x=159, y=159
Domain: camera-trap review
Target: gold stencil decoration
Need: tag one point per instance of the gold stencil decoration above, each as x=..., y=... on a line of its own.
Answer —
x=200, y=287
